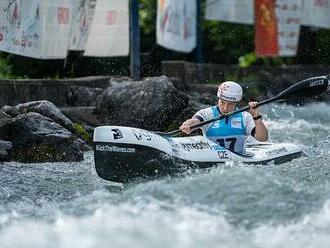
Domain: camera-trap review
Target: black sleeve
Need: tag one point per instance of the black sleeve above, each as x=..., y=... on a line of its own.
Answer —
x=198, y=118
x=253, y=132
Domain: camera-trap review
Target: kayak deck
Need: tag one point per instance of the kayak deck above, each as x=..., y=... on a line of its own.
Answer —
x=122, y=154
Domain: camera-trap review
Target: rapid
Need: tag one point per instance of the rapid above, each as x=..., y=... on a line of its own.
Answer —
x=287, y=205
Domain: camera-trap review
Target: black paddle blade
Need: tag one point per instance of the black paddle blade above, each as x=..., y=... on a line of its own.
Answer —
x=310, y=87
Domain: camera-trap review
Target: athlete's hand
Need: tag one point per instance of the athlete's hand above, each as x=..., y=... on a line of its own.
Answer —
x=254, y=111
x=185, y=127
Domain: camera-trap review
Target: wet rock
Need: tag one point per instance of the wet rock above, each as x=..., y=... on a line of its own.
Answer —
x=5, y=151
x=151, y=104
x=4, y=118
x=82, y=96
x=47, y=109
x=10, y=111
x=36, y=138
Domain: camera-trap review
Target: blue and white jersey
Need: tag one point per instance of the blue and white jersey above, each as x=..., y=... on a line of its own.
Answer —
x=231, y=132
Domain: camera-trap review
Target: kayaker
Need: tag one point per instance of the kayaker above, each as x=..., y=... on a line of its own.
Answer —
x=231, y=132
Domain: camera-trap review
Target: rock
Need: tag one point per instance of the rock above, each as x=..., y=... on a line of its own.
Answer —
x=82, y=96
x=151, y=104
x=47, y=109
x=36, y=138
x=4, y=118
x=82, y=114
x=5, y=151
x=10, y=111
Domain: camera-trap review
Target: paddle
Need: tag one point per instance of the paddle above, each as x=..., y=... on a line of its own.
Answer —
x=306, y=88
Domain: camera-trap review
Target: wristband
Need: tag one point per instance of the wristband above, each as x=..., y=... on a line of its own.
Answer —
x=257, y=117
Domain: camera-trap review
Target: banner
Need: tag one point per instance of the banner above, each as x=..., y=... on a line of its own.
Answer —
x=176, y=24
x=236, y=11
x=56, y=28
x=277, y=27
x=82, y=18
x=35, y=28
x=109, y=31
x=288, y=14
x=266, y=41
x=316, y=13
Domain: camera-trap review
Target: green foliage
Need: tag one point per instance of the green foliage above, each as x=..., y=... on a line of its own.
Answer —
x=224, y=43
x=5, y=68
x=80, y=130
x=247, y=60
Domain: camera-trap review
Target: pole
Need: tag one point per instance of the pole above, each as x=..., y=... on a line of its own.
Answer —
x=135, y=62
x=199, y=34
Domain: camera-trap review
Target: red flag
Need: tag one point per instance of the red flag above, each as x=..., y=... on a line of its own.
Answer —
x=266, y=41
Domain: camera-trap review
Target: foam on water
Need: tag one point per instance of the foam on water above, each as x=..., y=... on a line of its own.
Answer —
x=153, y=225
x=287, y=205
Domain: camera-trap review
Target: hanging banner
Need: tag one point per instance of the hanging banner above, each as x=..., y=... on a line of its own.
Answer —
x=236, y=11
x=176, y=24
x=56, y=26
x=288, y=14
x=266, y=42
x=316, y=13
x=35, y=28
x=20, y=31
x=109, y=31
x=277, y=27
x=82, y=18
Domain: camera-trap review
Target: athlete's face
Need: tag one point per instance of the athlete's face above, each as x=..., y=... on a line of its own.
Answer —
x=226, y=106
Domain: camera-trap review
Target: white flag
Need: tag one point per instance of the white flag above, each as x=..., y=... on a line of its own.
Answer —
x=35, y=28
x=176, y=24
x=109, y=31
x=56, y=26
x=288, y=14
x=316, y=13
x=83, y=13
x=236, y=11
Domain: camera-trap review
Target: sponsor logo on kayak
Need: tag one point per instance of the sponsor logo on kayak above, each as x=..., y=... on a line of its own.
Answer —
x=108, y=148
x=223, y=155
x=117, y=134
x=175, y=147
x=140, y=135
x=276, y=151
x=195, y=146
x=316, y=83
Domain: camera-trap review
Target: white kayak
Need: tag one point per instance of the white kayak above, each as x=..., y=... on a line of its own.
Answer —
x=125, y=153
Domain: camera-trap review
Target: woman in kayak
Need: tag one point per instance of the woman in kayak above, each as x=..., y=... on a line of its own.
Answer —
x=233, y=131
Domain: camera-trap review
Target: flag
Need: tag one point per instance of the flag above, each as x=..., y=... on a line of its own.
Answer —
x=109, y=31
x=176, y=24
x=36, y=28
x=266, y=39
x=236, y=11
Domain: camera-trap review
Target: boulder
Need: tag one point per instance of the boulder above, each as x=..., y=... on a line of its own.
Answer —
x=4, y=118
x=82, y=96
x=47, y=109
x=151, y=104
x=36, y=138
x=5, y=151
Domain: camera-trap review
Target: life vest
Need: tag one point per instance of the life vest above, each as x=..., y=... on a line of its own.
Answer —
x=229, y=132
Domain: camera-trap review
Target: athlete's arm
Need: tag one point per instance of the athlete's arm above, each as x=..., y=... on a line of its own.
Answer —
x=260, y=131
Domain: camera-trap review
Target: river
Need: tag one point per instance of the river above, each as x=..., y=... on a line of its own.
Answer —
x=287, y=205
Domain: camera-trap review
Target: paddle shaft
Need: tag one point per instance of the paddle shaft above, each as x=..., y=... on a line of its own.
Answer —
x=220, y=117
x=308, y=87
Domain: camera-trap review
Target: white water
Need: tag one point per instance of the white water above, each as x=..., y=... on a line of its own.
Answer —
x=288, y=205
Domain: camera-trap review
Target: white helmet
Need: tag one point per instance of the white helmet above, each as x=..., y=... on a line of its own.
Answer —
x=230, y=91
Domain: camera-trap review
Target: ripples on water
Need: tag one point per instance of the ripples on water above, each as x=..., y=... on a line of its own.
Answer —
x=288, y=205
